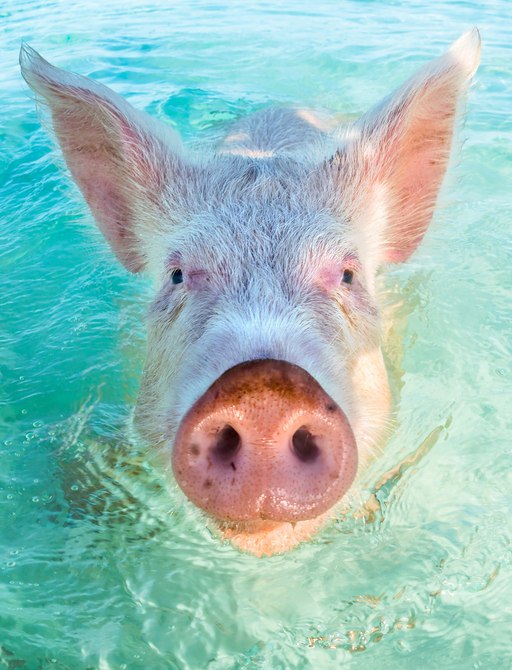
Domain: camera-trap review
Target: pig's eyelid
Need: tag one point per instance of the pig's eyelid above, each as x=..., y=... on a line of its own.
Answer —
x=173, y=261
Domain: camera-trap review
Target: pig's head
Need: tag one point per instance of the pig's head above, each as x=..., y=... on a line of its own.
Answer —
x=264, y=384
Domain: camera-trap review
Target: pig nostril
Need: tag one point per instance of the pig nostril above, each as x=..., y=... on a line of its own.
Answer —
x=227, y=443
x=304, y=446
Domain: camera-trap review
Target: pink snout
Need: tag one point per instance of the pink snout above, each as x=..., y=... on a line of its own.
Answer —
x=265, y=442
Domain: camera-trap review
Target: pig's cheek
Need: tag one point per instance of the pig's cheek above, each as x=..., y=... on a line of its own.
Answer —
x=158, y=394
x=372, y=403
x=356, y=297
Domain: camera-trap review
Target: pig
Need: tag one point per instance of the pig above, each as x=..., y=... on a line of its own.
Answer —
x=264, y=390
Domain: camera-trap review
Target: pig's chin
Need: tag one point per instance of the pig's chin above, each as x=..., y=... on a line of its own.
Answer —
x=265, y=537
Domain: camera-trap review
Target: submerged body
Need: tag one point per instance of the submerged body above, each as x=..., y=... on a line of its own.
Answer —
x=264, y=384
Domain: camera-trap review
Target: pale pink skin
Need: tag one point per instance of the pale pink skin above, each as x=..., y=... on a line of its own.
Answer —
x=265, y=442
x=275, y=326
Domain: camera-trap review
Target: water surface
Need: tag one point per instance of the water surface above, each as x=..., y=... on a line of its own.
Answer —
x=101, y=565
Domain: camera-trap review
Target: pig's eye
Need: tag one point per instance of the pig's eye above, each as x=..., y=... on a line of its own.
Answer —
x=348, y=276
x=177, y=276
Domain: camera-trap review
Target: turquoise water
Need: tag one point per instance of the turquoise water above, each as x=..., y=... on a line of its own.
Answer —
x=101, y=565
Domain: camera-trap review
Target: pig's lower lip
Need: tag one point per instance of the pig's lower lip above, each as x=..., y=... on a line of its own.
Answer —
x=265, y=537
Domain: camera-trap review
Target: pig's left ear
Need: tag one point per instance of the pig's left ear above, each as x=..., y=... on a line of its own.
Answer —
x=395, y=156
x=123, y=160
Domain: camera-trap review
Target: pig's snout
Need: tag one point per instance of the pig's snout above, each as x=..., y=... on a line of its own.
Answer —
x=265, y=442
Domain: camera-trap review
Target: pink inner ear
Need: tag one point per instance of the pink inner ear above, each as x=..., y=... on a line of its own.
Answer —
x=404, y=145
x=117, y=156
x=422, y=148
x=97, y=158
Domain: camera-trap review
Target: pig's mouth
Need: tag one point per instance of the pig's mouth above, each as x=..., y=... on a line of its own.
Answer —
x=267, y=453
x=265, y=537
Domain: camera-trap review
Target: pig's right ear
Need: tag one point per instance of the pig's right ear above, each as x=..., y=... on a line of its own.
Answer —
x=121, y=159
x=392, y=164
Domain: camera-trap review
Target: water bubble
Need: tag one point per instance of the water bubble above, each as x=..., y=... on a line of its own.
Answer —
x=402, y=646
